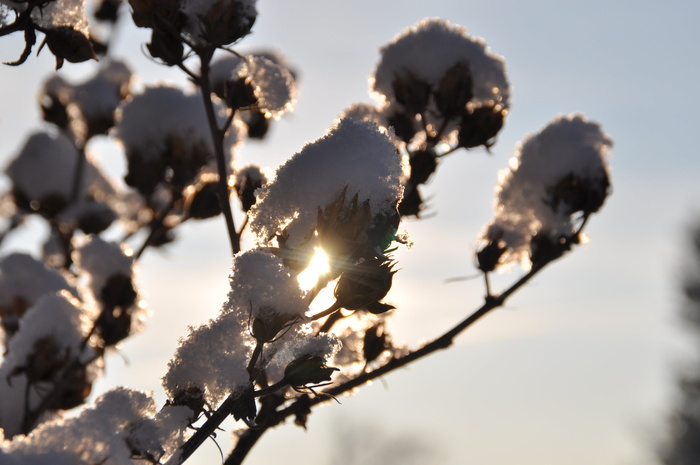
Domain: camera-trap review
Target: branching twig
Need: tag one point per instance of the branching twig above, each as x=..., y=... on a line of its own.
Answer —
x=247, y=441
x=446, y=340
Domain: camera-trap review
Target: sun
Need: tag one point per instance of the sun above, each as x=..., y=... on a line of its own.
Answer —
x=318, y=267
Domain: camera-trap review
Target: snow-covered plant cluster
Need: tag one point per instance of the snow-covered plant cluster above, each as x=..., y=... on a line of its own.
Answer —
x=266, y=356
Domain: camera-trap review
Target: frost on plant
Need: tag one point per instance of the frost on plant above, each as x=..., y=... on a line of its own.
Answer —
x=327, y=220
x=42, y=182
x=109, y=272
x=63, y=22
x=264, y=300
x=87, y=109
x=259, y=86
x=210, y=363
x=167, y=139
x=48, y=340
x=23, y=280
x=557, y=178
x=354, y=157
x=439, y=74
x=123, y=425
x=440, y=90
x=202, y=24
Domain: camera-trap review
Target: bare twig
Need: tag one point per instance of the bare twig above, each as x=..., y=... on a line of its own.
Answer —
x=218, y=135
x=248, y=440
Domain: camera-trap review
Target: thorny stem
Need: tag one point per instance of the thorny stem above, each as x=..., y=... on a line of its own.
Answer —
x=218, y=135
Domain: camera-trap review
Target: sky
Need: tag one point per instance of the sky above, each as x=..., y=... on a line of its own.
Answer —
x=579, y=367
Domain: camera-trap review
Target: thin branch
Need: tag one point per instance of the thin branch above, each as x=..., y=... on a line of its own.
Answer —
x=214, y=421
x=446, y=340
x=195, y=79
x=156, y=227
x=78, y=174
x=332, y=309
x=218, y=135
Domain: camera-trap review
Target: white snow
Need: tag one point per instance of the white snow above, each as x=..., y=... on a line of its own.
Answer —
x=568, y=145
x=45, y=166
x=431, y=47
x=274, y=85
x=273, y=81
x=148, y=120
x=259, y=280
x=120, y=421
x=212, y=357
x=63, y=13
x=24, y=277
x=58, y=320
x=99, y=260
x=98, y=96
x=296, y=345
x=354, y=154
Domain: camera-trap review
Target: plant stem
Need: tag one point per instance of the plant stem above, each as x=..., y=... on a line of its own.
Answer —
x=250, y=438
x=78, y=175
x=443, y=342
x=218, y=135
x=203, y=433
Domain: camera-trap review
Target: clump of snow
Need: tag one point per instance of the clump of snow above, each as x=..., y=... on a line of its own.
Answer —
x=97, y=98
x=364, y=112
x=168, y=140
x=212, y=358
x=62, y=13
x=259, y=280
x=60, y=315
x=50, y=336
x=272, y=80
x=560, y=171
x=429, y=49
x=353, y=155
x=45, y=166
x=301, y=344
x=26, y=278
x=99, y=260
x=224, y=67
x=122, y=425
x=149, y=119
x=45, y=170
x=274, y=85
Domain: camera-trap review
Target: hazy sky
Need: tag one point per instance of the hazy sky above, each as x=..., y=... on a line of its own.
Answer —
x=578, y=369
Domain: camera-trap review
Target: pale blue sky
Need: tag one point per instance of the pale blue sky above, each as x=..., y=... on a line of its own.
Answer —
x=578, y=369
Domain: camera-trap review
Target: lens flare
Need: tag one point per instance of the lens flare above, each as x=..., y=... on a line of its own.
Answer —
x=317, y=268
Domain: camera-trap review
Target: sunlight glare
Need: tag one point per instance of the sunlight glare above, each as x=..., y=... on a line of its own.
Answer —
x=317, y=268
